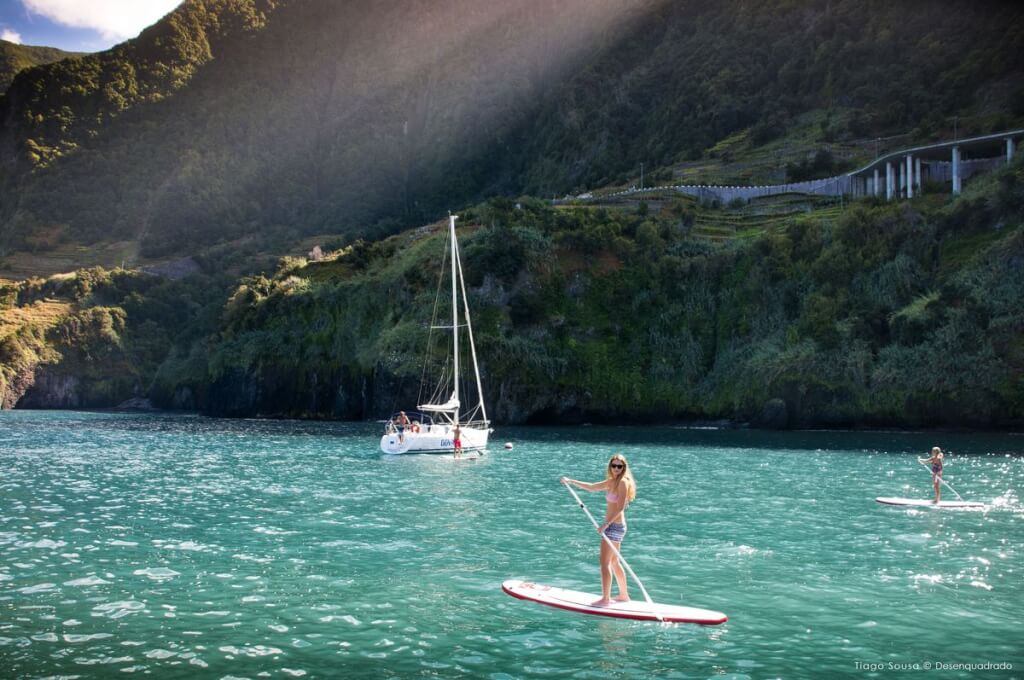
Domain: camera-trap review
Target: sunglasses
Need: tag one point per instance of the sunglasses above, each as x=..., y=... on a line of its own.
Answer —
x=616, y=465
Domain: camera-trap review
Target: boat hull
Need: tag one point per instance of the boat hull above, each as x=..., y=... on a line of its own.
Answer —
x=433, y=439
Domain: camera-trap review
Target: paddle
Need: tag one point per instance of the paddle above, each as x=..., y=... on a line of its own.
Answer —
x=944, y=482
x=615, y=550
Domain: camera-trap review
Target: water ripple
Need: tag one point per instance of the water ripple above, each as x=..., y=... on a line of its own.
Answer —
x=203, y=548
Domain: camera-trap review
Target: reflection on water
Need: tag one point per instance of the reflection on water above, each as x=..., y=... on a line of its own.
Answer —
x=210, y=548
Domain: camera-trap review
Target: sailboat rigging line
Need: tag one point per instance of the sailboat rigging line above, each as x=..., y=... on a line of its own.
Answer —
x=442, y=382
x=654, y=607
x=469, y=328
x=433, y=322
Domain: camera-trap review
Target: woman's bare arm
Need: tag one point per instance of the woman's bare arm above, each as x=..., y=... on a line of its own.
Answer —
x=597, y=486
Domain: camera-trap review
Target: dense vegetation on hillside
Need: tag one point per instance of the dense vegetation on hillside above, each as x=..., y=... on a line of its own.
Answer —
x=889, y=314
x=892, y=314
x=232, y=116
x=15, y=58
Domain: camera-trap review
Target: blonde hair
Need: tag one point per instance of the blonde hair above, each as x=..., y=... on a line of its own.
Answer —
x=627, y=475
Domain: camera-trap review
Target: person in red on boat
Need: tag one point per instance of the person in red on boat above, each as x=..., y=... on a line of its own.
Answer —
x=457, y=441
x=620, y=489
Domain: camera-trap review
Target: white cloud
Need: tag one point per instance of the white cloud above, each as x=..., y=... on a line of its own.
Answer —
x=114, y=19
x=10, y=36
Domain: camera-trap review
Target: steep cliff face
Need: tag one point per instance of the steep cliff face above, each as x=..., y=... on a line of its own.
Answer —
x=68, y=384
x=59, y=381
x=19, y=381
x=24, y=343
x=54, y=389
x=279, y=392
x=331, y=394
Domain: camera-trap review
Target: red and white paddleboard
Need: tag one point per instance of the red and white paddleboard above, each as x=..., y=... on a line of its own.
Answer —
x=917, y=502
x=639, y=610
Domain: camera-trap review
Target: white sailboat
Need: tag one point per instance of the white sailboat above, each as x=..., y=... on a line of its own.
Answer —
x=434, y=427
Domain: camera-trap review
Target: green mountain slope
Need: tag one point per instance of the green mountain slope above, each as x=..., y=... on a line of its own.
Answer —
x=236, y=129
x=15, y=58
x=699, y=72
x=234, y=117
x=294, y=117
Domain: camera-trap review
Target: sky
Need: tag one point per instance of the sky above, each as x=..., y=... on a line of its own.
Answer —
x=78, y=25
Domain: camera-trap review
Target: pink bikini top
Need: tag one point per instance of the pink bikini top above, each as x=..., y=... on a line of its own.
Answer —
x=611, y=498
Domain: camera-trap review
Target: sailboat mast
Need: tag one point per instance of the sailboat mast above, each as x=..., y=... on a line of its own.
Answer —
x=455, y=311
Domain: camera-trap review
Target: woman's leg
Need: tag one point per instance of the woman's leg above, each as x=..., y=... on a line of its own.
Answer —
x=604, y=561
x=620, y=576
x=616, y=567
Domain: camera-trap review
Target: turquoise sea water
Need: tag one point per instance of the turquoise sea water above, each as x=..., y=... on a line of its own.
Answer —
x=181, y=546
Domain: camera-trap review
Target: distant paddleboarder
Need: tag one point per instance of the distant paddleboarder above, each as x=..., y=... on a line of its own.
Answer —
x=936, y=462
x=620, y=489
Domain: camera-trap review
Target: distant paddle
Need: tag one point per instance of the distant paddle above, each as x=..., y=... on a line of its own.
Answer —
x=917, y=502
x=615, y=550
x=943, y=481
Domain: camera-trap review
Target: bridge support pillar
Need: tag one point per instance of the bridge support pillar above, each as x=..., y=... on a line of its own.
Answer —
x=903, y=181
x=956, y=170
x=910, y=176
x=1009, y=149
x=917, y=174
x=890, y=181
x=874, y=185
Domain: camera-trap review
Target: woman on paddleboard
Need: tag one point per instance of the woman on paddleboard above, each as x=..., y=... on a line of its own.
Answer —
x=936, y=462
x=620, y=489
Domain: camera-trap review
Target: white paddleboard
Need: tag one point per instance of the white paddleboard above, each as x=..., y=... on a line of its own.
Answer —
x=917, y=502
x=639, y=610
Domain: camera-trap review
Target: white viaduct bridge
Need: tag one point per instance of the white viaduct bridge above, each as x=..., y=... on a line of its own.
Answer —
x=899, y=174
